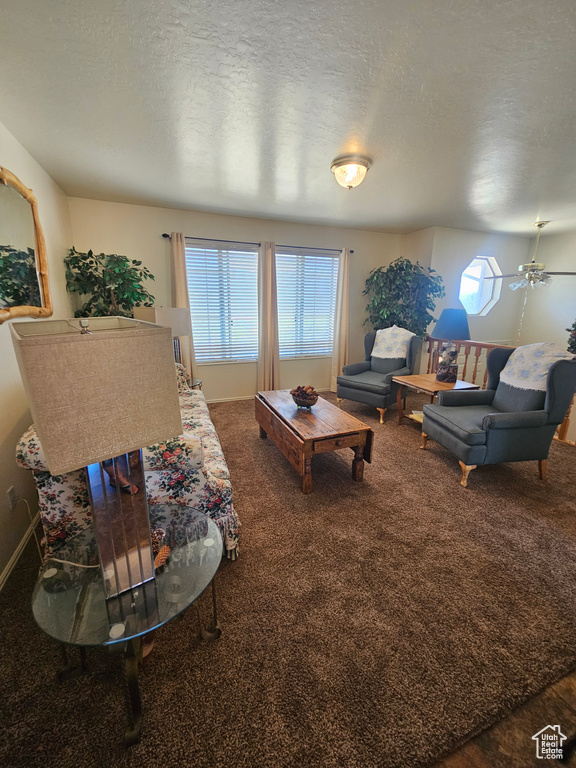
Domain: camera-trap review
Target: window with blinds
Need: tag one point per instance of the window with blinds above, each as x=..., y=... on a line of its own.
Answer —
x=222, y=283
x=306, y=288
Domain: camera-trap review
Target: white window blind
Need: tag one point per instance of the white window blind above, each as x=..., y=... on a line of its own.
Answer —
x=306, y=287
x=223, y=292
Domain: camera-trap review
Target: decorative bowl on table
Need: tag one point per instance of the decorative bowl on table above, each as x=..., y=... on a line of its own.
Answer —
x=304, y=397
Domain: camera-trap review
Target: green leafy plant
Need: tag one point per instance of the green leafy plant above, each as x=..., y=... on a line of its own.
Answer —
x=403, y=294
x=572, y=338
x=18, y=278
x=112, y=282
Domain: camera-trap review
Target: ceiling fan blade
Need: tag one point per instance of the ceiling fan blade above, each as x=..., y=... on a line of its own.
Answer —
x=560, y=273
x=499, y=277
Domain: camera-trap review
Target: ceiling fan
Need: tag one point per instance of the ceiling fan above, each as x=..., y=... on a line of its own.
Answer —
x=531, y=274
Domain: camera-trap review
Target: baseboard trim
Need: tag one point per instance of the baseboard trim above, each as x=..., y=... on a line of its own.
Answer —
x=247, y=397
x=230, y=399
x=18, y=551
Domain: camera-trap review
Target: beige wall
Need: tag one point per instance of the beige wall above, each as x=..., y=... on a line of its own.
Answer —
x=418, y=246
x=552, y=309
x=14, y=412
x=136, y=231
x=453, y=250
x=449, y=251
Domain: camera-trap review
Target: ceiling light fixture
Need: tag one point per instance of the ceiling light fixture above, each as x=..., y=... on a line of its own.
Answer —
x=350, y=170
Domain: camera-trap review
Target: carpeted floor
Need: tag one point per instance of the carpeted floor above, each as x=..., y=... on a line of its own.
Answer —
x=368, y=624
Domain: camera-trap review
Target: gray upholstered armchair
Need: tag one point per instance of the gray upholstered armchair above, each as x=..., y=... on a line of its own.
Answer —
x=501, y=423
x=370, y=382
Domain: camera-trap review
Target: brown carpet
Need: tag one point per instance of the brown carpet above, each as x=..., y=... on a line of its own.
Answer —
x=368, y=624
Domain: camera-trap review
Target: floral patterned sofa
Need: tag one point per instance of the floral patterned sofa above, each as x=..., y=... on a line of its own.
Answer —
x=189, y=471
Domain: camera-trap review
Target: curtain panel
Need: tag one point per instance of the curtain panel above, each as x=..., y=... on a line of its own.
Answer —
x=180, y=294
x=341, y=319
x=268, y=354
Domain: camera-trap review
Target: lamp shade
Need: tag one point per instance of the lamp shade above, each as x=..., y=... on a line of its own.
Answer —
x=178, y=318
x=99, y=394
x=453, y=324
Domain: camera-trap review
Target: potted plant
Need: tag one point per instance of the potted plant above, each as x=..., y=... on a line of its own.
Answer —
x=572, y=338
x=112, y=282
x=403, y=294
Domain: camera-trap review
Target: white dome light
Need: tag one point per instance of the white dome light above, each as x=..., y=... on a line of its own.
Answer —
x=350, y=170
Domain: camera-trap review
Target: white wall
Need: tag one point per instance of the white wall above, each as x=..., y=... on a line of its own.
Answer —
x=419, y=246
x=453, y=250
x=136, y=231
x=448, y=252
x=14, y=412
x=552, y=309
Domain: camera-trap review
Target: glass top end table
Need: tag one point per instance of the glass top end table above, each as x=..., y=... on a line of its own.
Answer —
x=69, y=601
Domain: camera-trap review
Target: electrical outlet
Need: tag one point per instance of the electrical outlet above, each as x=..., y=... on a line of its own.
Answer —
x=12, y=498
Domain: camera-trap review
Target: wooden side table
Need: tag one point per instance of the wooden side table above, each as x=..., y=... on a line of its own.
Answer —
x=425, y=382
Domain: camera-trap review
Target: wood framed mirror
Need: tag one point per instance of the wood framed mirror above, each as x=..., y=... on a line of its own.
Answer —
x=24, y=289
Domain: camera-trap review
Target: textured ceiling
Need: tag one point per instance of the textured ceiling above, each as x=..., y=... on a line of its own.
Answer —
x=467, y=107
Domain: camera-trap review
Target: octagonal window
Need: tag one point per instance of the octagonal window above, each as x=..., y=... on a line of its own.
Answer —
x=477, y=294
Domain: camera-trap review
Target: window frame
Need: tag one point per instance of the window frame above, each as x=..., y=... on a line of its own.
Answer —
x=491, y=287
x=307, y=266
x=227, y=283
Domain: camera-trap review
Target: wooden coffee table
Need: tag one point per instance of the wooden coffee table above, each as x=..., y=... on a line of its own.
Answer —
x=425, y=382
x=299, y=433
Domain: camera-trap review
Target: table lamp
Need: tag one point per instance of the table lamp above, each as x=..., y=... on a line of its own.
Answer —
x=101, y=389
x=453, y=324
x=178, y=318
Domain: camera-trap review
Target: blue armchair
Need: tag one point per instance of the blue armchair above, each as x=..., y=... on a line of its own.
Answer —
x=501, y=423
x=370, y=382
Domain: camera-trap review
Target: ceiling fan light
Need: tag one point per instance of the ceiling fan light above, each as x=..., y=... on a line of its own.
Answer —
x=351, y=170
x=531, y=279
